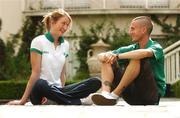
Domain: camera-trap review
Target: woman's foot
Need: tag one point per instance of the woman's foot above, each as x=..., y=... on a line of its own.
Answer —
x=46, y=101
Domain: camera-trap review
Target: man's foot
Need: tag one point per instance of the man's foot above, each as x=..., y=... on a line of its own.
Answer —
x=100, y=99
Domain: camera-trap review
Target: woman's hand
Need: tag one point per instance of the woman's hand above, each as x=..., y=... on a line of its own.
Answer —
x=15, y=102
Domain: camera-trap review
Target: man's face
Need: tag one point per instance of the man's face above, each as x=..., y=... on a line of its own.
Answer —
x=136, y=31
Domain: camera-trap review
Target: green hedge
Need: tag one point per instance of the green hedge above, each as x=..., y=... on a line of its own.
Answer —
x=11, y=89
x=176, y=89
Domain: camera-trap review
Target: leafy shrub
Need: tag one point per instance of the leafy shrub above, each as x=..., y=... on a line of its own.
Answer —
x=2, y=56
x=2, y=59
x=17, y=64
x=176, y=89
x=108, y=32
x=172, y=31
x=12, y=89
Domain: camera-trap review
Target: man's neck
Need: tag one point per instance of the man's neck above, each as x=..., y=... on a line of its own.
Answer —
x=143, y=42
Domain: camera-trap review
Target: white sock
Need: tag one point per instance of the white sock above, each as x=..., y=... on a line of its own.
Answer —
x=107, y=95
x=114, y=95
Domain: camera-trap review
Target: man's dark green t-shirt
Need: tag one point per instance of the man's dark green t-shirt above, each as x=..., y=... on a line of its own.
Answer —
x=157, y=61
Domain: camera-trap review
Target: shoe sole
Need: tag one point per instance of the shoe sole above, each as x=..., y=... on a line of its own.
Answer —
x=101, y=100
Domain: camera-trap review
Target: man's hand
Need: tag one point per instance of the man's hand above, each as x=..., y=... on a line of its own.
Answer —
x=107, y=57
x=111, y=58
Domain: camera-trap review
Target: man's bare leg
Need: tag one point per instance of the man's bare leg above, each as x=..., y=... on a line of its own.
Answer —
x=130, y=74
x=107, y=76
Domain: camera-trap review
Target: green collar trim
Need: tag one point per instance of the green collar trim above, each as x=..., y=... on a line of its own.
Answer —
x=149, y=43
x=51, y=39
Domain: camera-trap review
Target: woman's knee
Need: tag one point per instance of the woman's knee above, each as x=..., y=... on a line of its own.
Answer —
x=35, y=95
x=39, y=84
x=95, y=82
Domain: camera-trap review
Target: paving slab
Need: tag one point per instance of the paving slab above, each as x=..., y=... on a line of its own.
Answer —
x=168, y=108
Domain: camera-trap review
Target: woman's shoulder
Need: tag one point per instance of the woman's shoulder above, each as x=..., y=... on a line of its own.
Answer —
x=66, y=42
x=39, y=38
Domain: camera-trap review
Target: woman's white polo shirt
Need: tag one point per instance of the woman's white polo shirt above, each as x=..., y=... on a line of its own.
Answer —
x=53, y=59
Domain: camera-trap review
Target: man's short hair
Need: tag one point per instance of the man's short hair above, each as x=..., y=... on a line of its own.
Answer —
x=146, y=21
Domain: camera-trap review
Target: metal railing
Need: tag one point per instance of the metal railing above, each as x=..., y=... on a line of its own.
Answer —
x=172, y=63
x=100, y=4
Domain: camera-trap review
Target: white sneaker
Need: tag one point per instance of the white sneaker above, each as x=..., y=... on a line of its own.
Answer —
x=87, y=100
x=107, y=95
x=103, y=99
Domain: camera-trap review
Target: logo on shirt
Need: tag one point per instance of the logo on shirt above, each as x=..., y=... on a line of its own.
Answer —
x=65, y=54
x=45, y=52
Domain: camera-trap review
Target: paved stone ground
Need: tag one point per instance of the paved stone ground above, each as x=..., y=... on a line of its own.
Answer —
x=168, y=108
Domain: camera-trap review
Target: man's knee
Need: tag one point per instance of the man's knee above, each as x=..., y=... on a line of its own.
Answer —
x=142, y=65
x=134, y=62
x=134, y=67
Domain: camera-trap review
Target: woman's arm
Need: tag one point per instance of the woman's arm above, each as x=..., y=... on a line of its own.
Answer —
x=63, y=77
x=36, y=65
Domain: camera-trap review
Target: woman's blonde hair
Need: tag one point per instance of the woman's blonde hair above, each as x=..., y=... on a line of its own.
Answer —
x=54, y=16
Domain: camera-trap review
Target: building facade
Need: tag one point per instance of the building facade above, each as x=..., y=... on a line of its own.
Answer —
x=86, y=12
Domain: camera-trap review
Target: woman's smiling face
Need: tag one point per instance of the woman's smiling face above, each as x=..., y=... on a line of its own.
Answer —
x=60, y=26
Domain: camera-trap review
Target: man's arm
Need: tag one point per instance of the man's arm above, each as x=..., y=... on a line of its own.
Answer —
x=136, y=54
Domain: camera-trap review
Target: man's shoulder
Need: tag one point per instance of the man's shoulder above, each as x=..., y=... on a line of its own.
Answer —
x=131, y=46
x=156, y=44
x=126, y=48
